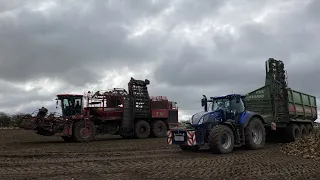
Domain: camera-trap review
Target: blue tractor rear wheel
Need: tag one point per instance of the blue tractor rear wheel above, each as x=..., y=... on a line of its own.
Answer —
x=255, y=134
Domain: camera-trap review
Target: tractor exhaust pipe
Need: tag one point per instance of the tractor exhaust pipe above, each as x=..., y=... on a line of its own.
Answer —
x=204, y=104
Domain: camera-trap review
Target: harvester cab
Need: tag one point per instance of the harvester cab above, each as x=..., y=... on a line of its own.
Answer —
x=71, y=104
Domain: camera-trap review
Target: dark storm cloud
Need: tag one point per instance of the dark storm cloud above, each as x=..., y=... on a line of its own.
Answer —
x=35, y=44
x=77, y=41
x=240, y=61
x=92, y=34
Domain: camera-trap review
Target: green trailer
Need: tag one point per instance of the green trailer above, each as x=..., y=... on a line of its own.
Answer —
x=282, y=108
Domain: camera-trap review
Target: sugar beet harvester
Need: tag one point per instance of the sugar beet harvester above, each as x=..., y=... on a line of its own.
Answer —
x=237, y=120
x=132, y=114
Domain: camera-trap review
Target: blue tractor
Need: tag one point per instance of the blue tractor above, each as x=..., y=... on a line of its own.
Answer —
x=223, y=125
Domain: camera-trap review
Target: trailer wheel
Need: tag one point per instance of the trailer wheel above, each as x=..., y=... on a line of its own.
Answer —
x=67, y=138
x=255, y=134
x=158, y=129
x=303, y=130
x=293, y=132
x=309, y=128
x=189, y=148
x=221, y=139
x=83, y=133
x=142, y=129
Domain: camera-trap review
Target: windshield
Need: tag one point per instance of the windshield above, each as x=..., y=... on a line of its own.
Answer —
x=226, y=104
x=219, y=104
x=71, y=106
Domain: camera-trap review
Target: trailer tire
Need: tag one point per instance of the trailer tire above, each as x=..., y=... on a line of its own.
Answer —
x=82, y=134
x=255, y=134
x=158, y=129
x=293, y=132
x=309, y=128
x=189, y=148
x=216, y=137
x=303, y=130
x=142, y=129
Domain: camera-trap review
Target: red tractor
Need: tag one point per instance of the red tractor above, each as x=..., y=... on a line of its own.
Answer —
x=132, y=114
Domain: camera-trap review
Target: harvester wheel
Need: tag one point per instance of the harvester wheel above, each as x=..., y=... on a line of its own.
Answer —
x=82, y=132
x=141, y=129
x=303, y=130
x=158, y=129
x=255, y=134
x=67, y=138
x=189, y=148
x=309, y=128
x=221, y=139
x=293, y=132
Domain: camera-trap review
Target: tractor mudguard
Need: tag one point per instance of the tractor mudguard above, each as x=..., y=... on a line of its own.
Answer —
x=245, y=117
x=230, y=124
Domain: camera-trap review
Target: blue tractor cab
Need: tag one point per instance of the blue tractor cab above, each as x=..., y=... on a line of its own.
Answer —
x=223, y=125
x=220, y=108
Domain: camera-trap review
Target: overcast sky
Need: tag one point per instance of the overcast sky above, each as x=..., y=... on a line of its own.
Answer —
x=186, y=48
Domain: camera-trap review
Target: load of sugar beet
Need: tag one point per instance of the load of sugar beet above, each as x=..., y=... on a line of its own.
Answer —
x=307, y=147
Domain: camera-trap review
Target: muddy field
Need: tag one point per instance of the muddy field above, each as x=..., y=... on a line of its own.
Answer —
x=25, y=155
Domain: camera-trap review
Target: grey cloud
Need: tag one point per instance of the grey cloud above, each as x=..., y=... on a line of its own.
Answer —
x=240, y=61
x=78, y=41
x=189, y=11
x=38, y=44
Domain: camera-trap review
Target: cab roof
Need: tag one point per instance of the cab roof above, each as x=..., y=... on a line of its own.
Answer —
x=228, y=96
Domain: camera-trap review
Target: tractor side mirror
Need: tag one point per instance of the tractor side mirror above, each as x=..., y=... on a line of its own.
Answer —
x=204, y=101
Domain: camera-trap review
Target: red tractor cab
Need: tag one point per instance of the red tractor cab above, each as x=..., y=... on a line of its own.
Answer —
x=71, y=104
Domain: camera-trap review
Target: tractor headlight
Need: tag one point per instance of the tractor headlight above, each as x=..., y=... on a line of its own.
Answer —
x=200, y=121
x=204, y=119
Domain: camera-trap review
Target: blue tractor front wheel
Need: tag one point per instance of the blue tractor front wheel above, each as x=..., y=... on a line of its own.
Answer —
x=221, y=139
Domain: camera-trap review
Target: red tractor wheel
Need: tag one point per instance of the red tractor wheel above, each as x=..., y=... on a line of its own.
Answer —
x=158, y=129
x=142, y=129
x=84, y=131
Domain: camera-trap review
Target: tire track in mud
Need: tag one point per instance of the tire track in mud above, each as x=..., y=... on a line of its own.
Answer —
x=205, y=168
x=86, y=153
x=216, y=163
x=145, y=159
x=53, y=157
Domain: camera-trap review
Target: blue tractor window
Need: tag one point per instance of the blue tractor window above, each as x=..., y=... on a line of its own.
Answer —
x=239, y=107
x=219, y=104
x=226, y=104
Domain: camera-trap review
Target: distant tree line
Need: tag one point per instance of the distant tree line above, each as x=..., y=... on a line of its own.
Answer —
x=11, y=120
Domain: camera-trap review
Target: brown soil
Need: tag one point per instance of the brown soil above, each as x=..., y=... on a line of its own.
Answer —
x=26, y=155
